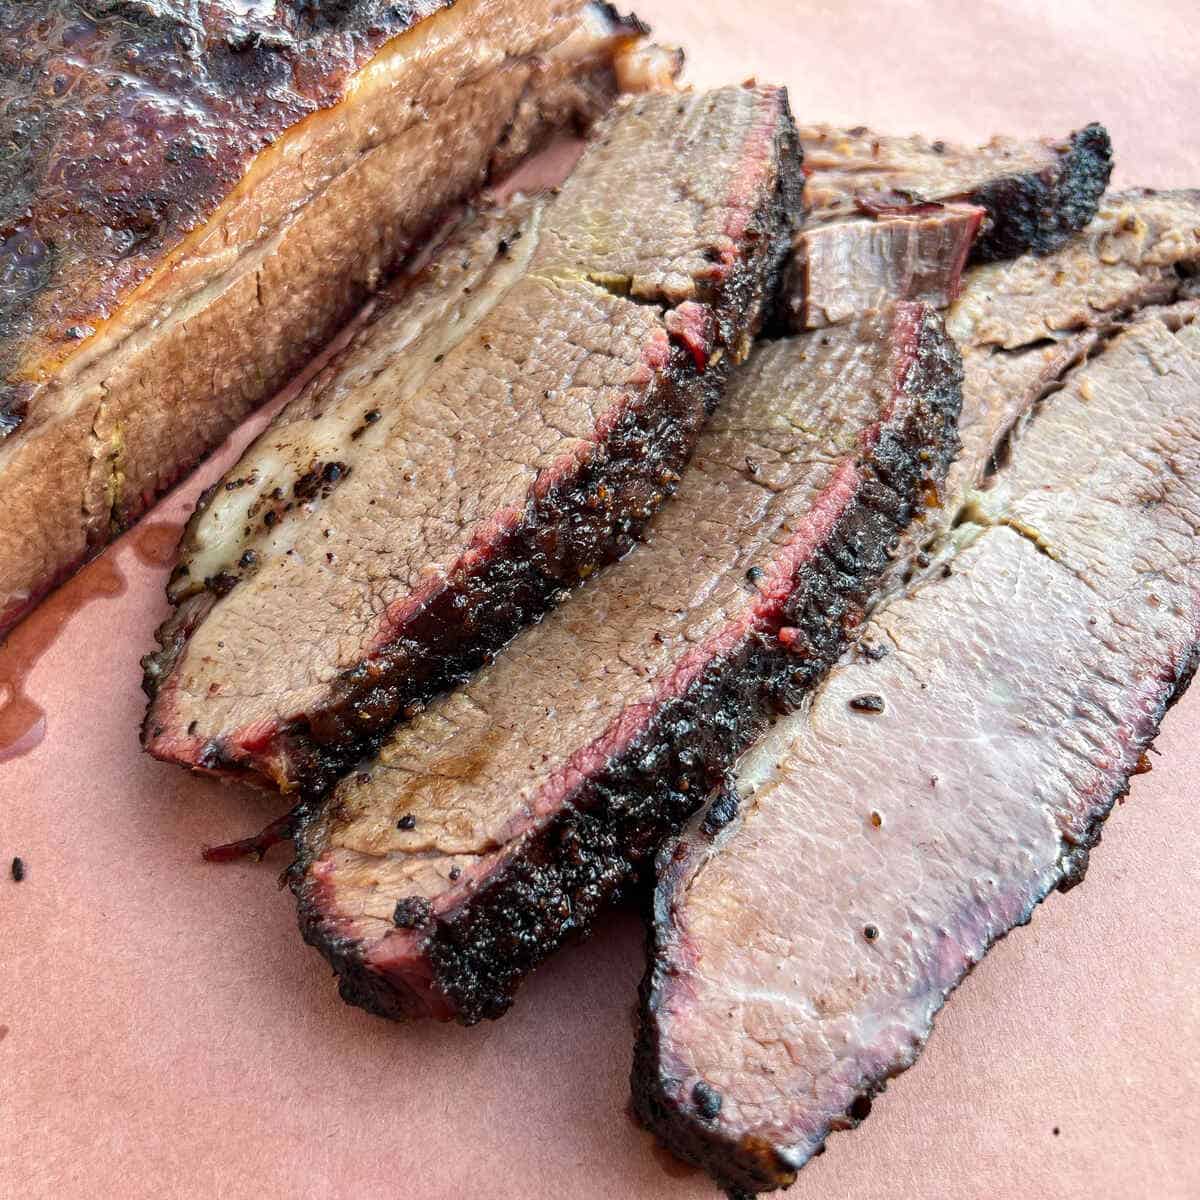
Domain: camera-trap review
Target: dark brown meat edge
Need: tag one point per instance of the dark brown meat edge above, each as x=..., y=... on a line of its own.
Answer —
x=253, y=78
x=558, y=535
x=1037, y=212
x=727, y=1161
x=614, y=825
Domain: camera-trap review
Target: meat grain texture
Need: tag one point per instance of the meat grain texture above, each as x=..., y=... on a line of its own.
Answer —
x=798, y=958
x=504, y=425
x=503, y=817
x=193, y=198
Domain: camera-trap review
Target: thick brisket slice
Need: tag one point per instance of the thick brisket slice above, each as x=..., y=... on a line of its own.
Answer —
x=896, y=217
x=799, y=958
x=506, y=814
x=502, y=427
x=194, y=197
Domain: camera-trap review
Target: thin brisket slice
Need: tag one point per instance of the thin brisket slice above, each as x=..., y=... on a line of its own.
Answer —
x=896, y=218
x=931, y=796
x=499, y=821
x=503, y=425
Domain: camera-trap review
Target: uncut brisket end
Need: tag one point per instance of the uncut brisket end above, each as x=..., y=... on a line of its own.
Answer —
x=194, y=198
x=500, y=820
x=504, y=424
x=897, y=218
x=798, y=959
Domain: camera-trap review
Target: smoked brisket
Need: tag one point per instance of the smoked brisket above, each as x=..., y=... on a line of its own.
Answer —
x=957, y=765
x=193, y=198
x=505, y=423
x=498, y=822
x=897, y=218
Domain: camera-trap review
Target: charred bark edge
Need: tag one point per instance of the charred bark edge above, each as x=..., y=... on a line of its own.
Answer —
x=610, y=829
x=1038, y=211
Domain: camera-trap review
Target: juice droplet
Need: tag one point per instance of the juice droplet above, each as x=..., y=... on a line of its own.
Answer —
x=156, y=543
x=22, y=719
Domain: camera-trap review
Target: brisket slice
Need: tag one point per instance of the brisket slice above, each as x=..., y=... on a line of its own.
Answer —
x=1022, y=325
x=895, y=218
x=1136, y=250
x=195, y=197
x=799, y=958
x=503, y=426
x=845, y=267
x=506, y=814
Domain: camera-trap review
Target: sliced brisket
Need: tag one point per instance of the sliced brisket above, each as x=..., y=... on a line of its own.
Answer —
x=499, y=821
x=845, y=267
x=194, y=197
x=504, y=425
x=895, y=218
x=1135, y=251
x=798, y=959
x=1022, y=325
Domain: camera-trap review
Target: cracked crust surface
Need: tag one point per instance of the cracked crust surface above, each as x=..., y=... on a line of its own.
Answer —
x=798, y=961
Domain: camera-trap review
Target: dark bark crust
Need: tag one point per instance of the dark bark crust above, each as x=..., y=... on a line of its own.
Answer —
x=749, y=1165
x=129, y=123
x=1039, y=211
x=560, y=539
x=592, y=518
x=609, y=831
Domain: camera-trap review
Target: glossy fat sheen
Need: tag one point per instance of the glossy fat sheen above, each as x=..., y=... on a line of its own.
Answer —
x=132, y=123
x=503, y=425
x=893, y=215
x=208, y=199
x=531, y=795
x=1018, y=696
